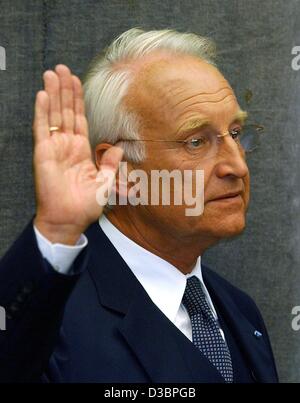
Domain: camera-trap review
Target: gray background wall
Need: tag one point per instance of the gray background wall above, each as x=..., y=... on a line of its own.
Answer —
x=255, y=39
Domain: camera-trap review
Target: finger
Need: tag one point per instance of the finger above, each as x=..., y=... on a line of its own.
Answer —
x=81, y=126
x=41, y=112
x=66, y=98
x=51, y=82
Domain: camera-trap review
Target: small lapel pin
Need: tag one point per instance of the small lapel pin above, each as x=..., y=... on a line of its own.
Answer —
x=257, y=334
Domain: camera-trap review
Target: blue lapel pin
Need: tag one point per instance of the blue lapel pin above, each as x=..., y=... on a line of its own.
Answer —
x=257, y=334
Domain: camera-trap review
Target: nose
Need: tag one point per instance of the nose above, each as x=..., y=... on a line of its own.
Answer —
x=231, y=160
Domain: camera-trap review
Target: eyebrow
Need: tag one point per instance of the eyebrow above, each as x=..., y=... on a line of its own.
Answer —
x=198, y=123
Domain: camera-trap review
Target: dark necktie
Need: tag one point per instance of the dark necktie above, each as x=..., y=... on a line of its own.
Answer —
x=205, y=329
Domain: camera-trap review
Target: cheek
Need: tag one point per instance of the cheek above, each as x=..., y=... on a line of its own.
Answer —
x=208, y=182
x=246, y=195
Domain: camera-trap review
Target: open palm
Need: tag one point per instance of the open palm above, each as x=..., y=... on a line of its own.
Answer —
x=65, y=174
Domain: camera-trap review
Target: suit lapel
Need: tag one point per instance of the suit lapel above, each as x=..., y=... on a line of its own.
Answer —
x=255, y=349
x=163, y=351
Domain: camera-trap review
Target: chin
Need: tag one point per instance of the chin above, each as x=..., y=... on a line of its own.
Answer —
x=225, y=226
x=230, y=227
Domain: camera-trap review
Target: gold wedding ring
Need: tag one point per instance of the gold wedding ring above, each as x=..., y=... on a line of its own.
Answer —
x=54, y=129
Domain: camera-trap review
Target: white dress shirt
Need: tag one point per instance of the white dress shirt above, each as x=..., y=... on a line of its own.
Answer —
x=162, y=281
x=61, y=257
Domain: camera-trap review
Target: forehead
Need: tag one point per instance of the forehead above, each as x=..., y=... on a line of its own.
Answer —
x=173, y=88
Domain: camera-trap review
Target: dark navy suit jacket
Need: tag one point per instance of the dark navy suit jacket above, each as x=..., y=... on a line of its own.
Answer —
x=99, y=325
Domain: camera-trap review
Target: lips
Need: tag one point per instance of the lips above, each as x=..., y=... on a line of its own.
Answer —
x=230, y=195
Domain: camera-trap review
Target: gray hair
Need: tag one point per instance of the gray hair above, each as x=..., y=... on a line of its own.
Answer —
x=107, y=81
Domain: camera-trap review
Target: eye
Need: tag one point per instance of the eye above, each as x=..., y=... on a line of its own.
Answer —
x=196, y=142
x=236, y=133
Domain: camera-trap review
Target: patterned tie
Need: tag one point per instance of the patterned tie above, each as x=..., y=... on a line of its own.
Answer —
x=205, y=329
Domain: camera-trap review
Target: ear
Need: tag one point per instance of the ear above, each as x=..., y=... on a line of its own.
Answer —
x=99, y=151
x=121, y=188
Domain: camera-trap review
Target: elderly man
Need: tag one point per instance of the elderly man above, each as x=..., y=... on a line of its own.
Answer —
x=125, y=298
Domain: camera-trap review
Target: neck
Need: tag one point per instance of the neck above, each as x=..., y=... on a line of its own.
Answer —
x=181, y=251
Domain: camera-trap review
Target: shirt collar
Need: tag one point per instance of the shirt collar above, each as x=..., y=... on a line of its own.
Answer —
x=162, y=281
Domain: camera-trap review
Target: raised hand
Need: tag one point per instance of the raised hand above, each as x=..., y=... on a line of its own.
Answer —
x=65, y=174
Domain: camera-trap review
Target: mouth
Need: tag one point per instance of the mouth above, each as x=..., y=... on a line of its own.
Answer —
x=229, y=197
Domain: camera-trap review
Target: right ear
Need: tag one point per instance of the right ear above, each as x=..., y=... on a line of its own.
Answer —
x=99, y=151
x=121, y=177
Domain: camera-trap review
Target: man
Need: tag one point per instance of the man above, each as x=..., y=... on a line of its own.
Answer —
x=129, y=300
